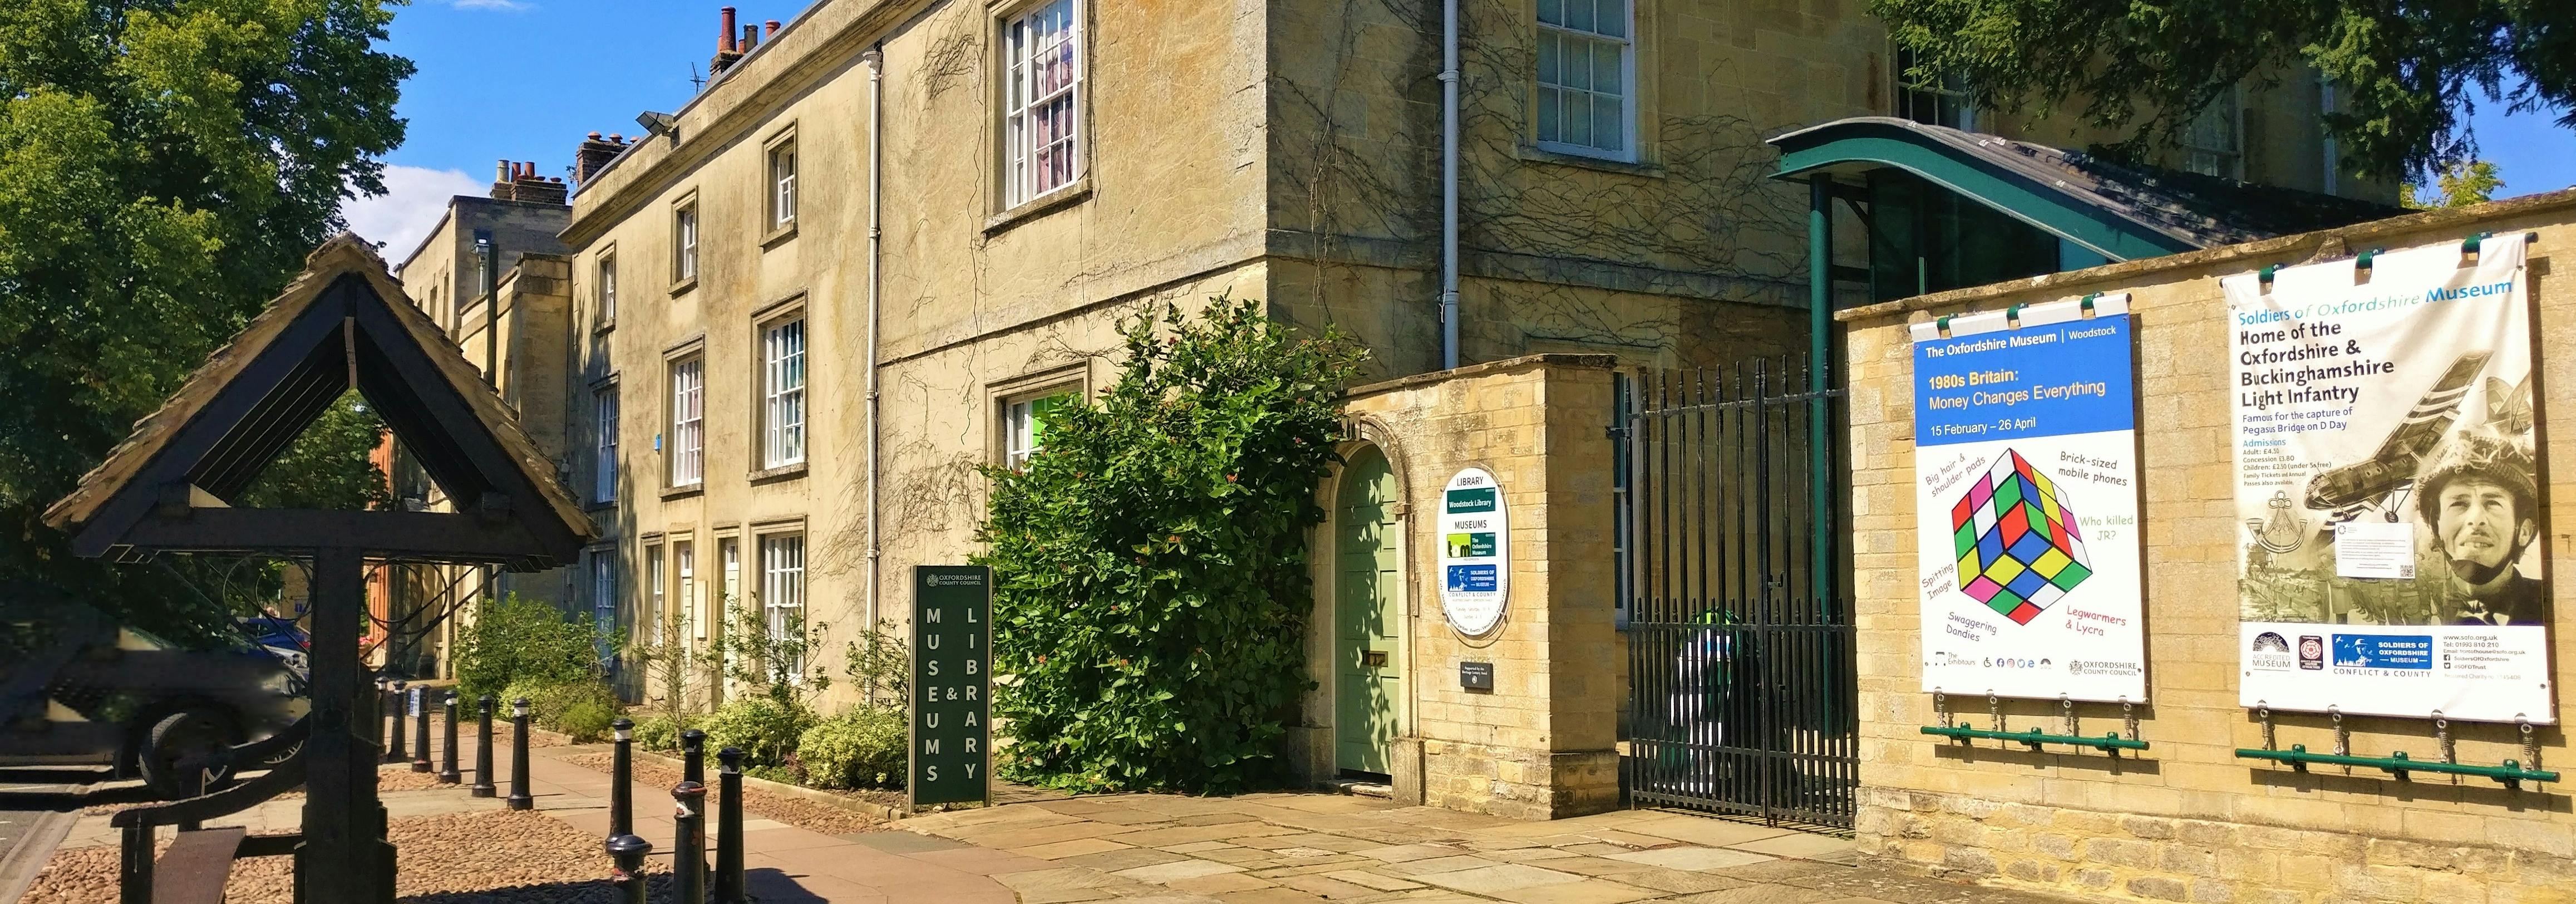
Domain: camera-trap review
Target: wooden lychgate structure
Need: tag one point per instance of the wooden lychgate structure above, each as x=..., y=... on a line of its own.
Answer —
x=343, y=323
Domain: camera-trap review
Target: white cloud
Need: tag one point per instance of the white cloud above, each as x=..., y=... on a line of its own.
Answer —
x=415, y=197
x=513, y=6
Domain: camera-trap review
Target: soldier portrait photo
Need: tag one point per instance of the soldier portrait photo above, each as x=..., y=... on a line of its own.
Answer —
x=2479, y=505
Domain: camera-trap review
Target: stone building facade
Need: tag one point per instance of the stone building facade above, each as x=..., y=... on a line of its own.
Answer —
x=2188, y=820
x=856, y=267
x=528, y=330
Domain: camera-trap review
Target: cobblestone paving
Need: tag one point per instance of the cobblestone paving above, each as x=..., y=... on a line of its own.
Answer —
x=1310, y=848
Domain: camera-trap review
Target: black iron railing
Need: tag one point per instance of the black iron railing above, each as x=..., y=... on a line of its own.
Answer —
x=1735, y=603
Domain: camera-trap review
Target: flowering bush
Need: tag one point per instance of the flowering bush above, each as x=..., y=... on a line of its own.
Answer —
x=1149, y=565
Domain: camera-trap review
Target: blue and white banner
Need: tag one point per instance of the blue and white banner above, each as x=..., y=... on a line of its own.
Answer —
x=2026, y=501
x=2387, y=486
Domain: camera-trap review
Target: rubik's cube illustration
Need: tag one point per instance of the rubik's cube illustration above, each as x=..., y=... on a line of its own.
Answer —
x=2019, y=549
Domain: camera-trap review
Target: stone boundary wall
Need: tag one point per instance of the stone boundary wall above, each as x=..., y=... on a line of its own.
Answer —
x=1541, y=744
x=2188, y=821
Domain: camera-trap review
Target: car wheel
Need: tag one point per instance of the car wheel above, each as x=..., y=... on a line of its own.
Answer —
x=183, y=756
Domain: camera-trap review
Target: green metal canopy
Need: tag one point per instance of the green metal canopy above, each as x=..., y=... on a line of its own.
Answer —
x=2034, y=189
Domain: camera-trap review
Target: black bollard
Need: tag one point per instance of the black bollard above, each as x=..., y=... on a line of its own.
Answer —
x=629, y=852
x=693, y=756
x=394, y=748
x=519, y=799
x=729, y=826
x=483, y=751
x=621, y=779
x=420, y=729
x=448, y=774
x=689, y=841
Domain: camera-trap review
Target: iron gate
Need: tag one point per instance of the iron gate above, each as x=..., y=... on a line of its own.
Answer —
x=1735, y=606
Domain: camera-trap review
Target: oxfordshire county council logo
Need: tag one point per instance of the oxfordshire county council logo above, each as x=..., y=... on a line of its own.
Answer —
x=2018, y=546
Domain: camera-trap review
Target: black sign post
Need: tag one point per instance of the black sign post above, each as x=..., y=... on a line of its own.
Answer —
x=952, y=666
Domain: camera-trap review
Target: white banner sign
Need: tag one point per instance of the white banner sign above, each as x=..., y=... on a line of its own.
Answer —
x=2026, y=501
x=2387, y=487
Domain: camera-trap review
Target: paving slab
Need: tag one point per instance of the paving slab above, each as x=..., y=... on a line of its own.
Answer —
x=1693, y=858
x=1499, y=878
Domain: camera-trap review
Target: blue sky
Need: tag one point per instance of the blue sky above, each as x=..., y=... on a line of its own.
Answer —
x=524, y=79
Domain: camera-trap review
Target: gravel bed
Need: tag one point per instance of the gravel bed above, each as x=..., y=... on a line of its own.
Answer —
x=486, y=857
x=796, y=811
x=388, y=778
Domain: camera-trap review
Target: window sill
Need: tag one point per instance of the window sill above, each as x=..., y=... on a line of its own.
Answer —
x=609, y=505
x=1536, y=154
x=782, y=472
x=683, y=286
x=684, y=492
x=1072, y=193
x=778, y=236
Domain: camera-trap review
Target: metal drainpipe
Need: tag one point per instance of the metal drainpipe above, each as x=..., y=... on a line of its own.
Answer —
x=2334, y=156
x=875, y=58
x=491, y=251
x=1449, y=184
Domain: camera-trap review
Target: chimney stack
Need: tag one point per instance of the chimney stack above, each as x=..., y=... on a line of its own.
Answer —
x=727, y=52
x=594, y=155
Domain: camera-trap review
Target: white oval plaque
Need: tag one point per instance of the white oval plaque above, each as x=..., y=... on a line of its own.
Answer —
x=1475, y=552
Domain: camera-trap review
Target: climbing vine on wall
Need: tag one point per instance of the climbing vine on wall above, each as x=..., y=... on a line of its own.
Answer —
x=1150, y=583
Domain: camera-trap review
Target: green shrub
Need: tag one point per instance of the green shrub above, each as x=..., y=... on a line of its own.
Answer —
x=585, y=721
x=657, y=733
x=581, y=709
x=765, y=729
x=515, y=639
x=863, y=747
x=1149, y=567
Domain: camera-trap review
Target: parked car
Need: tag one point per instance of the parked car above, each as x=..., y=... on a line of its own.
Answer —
x=79, y=689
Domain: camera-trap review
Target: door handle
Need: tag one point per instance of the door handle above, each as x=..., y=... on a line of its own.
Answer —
x=1374, y=658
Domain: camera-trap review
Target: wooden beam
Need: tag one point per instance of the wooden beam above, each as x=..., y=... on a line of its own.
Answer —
x=441, y=536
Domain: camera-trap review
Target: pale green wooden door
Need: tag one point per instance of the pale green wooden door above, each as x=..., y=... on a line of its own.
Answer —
x=1368, y=670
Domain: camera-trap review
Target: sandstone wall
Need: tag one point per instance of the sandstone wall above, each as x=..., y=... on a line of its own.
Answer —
x=2189, y=820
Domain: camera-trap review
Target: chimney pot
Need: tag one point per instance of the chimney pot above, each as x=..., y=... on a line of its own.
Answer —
x=616, y=138
x=724, y=34
x=773, y=28
x=750, y=37
x=594, y=136
x=501, y=170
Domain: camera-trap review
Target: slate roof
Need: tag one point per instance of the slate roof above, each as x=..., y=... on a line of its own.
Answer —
x=2204, y=211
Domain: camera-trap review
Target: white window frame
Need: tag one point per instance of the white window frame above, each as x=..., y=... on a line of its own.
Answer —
x=2213, y=143
x=684, y=563
x=1019, y=420
x=688, y=383
x=1566, y=34
x=684, y=242
x=650, y=625
x=1949, y=89
x=607, y=290
x=782, y=586
x=782, y=184
x=603, y=487
x=1022, y=96
x=603, y=594
x=783, y=378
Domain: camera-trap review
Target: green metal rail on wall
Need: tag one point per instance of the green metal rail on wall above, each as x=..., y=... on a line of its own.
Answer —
x=2397, y=764
x=2035, y=737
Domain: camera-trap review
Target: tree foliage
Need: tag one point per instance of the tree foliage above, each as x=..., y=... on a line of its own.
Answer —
x=2458, y=185
x=165, y=165
x=2406, y=72
x=1149, y=565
